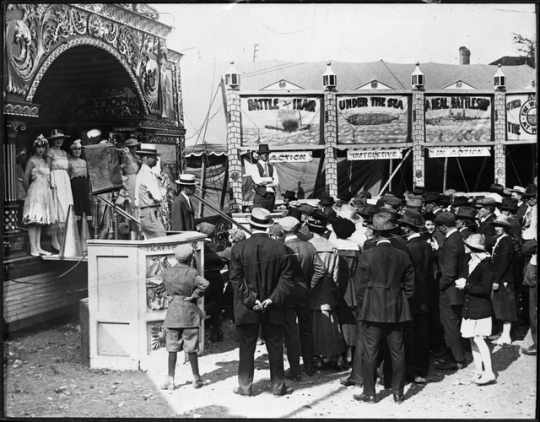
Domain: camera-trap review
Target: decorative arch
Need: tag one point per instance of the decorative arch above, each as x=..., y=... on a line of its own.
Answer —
x=77, y=42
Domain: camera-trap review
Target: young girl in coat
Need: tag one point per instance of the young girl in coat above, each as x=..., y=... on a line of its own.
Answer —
x=477, y=308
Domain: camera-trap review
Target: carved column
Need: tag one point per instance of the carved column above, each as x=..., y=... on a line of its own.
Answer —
x=500, y=137
x=418, y=137
x=330, y=142
x=234, y=142
x=11, y=208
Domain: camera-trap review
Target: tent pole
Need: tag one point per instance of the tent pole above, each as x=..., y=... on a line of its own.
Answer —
x=203, y=178
x=445, y=173
x=462, y=175
x=395, y=171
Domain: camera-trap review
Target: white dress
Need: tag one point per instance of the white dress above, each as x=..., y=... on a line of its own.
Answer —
x=60, y=184
x=38, y=204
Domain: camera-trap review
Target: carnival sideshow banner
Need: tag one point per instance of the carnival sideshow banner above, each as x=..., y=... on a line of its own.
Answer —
x=372, y=119
x=521, y=117
x=281, y=121
x=458, y=119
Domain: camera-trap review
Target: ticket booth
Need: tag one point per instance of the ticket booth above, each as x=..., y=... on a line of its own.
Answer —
x=126, y=311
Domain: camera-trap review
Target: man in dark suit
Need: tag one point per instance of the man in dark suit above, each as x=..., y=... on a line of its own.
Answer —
x=486, y=214
x=386, y=282
x=417, y=331
x=261, y=275
x=452, y=266
x=308, y=271
x=182, y=213
x=465, y=221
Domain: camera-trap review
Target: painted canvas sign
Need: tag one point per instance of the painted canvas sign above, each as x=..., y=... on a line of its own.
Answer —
x=281, y=121
x=458, y=119
x=372, y=119
x=521, y=117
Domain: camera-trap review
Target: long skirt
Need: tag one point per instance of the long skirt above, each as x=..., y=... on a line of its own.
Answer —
x=81, y=197
x=504, y=303
x=327, y=337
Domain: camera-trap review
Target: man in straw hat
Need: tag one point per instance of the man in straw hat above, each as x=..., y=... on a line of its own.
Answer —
x=148, y=194
x=265, y=180
x=452, y=264
x=183, y=214
x=308, y=271
x=517, y=193
x=386, y=279
x=261, y=275
x=417, y=332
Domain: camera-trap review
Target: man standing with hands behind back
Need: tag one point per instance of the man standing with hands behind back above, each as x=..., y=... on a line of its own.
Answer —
x=265, y=180
x=261, y=275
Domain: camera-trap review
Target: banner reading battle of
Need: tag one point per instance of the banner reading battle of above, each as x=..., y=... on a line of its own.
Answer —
x=291, y=121
x=521, y=117
x=458, y=118
x=372, y=119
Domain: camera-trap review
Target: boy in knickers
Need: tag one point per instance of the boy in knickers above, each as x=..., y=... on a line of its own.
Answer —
x=184, y=284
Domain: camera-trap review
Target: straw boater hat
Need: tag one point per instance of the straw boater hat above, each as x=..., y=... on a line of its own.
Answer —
x=148, y=149
x=131, y=142
x=260, y=217
x=411, y=218
x=382, y=222
x=186, y=180
x=476, y=242
x=57, y=133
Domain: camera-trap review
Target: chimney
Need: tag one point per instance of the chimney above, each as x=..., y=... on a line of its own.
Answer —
x=464, y=56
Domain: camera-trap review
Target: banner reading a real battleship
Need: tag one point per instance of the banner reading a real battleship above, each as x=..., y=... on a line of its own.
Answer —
x=521, y=117
x=372, y=119
x=281, y=121
x=458, y=119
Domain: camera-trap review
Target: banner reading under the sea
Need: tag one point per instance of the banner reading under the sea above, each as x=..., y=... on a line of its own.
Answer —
x=521, y=117
x=458, y=119
x=281, y=121
x=372, y=119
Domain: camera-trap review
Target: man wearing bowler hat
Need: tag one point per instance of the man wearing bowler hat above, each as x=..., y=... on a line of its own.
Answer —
x=260, y=272
x=466, y=221
x=386, y=282
x=265, y=180
x=148, y=194
x=183, y=214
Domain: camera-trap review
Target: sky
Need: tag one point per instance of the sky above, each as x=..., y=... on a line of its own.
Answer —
x=401, y=33
x=396, y=33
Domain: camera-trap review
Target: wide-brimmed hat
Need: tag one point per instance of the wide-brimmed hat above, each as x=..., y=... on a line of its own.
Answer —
x=476, y=242
x=186, y=180
x=327, y=201
x=131, y=142
x=411, y=218
x=148, y=149
x=263, y=149
x=349, y=212
x=497, y=197
x=382, y=222
x=343, y=228
x=57, y=133
x=289, y=223
x=260, y=217
x=290, y=194
x=466, y=213
x=317, y=221
x=414, y=203
x=497, y=188
x=460, y=201
x=518, y=189
x=501, y=221
x=391, y=200
x=509, y=204
x=530, y=191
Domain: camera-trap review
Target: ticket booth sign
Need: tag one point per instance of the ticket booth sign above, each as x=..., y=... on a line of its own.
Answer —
x=377, y=154
x=459, y=152
x=291, y=157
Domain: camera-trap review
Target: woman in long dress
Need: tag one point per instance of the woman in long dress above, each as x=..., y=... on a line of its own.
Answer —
x=58, y=162
x=38, y=207
x=503, y=298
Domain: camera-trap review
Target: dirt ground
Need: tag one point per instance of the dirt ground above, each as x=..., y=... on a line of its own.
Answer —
x=44, y=377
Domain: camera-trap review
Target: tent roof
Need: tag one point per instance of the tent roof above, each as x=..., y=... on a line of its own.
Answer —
x=203, y=97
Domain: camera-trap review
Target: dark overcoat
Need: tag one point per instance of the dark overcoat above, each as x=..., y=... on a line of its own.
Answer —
x=477, y=303
x=182, y=215
x=452, y=262
x=422, y=259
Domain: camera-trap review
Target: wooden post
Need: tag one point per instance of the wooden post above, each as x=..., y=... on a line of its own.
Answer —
x=203, y=184
x=445, y=173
